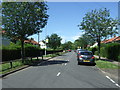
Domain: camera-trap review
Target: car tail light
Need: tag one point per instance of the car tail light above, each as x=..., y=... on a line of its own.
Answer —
x=78, y=53
x=80, y=56
x=93, y=57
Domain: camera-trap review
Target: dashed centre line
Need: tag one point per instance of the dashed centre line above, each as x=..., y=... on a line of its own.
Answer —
x=58, y=74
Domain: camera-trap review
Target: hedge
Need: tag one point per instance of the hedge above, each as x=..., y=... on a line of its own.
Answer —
x=13, y=53
x=112, y=51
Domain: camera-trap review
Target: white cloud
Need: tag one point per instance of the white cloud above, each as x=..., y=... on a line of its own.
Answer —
x=63, y=39
x=77, y=36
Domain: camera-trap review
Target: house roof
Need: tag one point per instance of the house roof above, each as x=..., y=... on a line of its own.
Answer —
x=2, y=32
x=111, y=40
x=31, y=41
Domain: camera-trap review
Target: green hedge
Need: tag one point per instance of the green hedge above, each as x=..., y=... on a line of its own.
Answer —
x=13, y=52
x=112, y=51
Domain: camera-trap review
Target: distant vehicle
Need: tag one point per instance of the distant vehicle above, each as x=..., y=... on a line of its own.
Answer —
x=86, y=57
x=69, y=50
x=74, y=50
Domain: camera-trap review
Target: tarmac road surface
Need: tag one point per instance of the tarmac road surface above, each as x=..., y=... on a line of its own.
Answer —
x=58, y=72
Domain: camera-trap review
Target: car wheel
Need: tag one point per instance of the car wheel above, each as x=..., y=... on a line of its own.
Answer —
x=78, y=63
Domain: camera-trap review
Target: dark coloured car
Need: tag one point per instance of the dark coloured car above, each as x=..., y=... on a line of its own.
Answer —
x=78, y=51
x=86, y=57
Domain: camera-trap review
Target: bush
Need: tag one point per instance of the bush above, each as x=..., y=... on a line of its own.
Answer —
x=112, y=51
x=119, y=58
x=103, y=51
x=93, y=49
x=96, y=53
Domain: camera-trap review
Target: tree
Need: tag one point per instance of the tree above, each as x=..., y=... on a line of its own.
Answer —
x=98, y=24
x=23, y=19
x=54, y=41
x=83, y=41
x=67, y=45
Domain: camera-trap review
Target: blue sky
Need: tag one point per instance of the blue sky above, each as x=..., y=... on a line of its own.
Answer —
x=65, y=16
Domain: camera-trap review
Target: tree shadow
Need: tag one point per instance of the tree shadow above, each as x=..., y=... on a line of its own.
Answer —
x=52, y=62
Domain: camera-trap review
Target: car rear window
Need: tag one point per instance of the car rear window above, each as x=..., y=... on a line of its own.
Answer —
x=86, y=53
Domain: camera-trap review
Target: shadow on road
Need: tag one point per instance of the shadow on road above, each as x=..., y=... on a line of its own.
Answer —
x=88, y=64
x=46, y=63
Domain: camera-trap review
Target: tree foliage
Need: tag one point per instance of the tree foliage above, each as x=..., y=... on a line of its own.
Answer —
x=67, y=45
x=98, y=24
x=83, y=41
x=54, y=41
x=22, y=19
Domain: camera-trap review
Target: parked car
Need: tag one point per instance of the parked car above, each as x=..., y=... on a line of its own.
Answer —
x=86, y=57
x=78, y=51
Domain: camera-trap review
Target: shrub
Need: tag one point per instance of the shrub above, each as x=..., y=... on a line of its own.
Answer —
x=112, y=51
x=93, y=49
x=119, y=58
x=103, y=51
x=96, y=53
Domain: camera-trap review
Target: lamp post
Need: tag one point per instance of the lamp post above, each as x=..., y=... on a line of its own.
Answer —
x=46, y=41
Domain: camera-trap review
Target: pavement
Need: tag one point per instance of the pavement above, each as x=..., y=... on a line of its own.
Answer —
x=112, y=61
x=113, y=73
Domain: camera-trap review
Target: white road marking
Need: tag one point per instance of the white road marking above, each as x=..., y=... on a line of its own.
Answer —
x=117, y=85
x=58, y=74
x=65, y=63
x=112, y=81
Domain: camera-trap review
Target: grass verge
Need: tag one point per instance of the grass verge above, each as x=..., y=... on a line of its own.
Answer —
x=106, y=64
x=54, y=55
x=6, y=67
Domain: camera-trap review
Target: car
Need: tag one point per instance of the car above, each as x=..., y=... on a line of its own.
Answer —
x=86, y=57
x=69, y=50
x=79, y=50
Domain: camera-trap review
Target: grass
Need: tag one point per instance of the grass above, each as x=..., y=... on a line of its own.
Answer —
x=54, y=55
x=106, y=64
x=6, y=67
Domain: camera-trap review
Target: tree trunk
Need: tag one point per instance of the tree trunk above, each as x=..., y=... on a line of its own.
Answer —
x=99, y=47
x=22, y=50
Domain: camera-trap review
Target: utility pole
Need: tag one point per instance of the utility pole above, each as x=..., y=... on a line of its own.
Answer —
x=119, y=17
x=38, y=37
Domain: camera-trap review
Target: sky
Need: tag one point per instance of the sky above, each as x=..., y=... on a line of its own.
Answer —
x=65, y=16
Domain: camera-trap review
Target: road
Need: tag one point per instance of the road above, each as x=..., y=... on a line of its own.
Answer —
x=59, y=72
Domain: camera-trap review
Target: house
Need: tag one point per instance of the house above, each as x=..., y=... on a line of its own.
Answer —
x=115, y=39
x=3, y=39
x=94, y=45
x=31, y=41
x=42, y=44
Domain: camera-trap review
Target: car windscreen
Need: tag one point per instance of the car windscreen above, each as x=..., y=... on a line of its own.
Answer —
x=86, y=53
